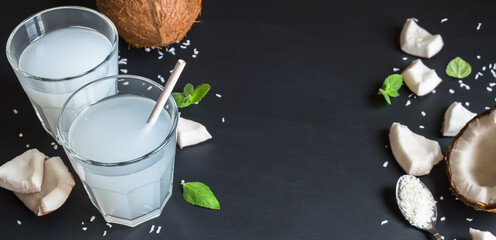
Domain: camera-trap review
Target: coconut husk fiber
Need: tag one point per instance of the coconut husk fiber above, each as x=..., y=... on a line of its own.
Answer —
x=151, y=23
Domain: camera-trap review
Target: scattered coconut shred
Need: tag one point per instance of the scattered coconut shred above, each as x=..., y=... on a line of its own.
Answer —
x=416, y=202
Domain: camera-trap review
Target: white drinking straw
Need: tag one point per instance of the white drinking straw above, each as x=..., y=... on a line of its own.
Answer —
x=167, y=91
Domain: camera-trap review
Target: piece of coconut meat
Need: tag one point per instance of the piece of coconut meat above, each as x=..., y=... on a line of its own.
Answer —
x=417, y=41
x=414, y=153
x=477, y=234
x=24, y=173
x=455, y=117
x=57, y=185
x=420, y=79
x=190, y=133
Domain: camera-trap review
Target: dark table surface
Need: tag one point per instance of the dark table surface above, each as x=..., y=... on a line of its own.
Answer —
x=301, y=152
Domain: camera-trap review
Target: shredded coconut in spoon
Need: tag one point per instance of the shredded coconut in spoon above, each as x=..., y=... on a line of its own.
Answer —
x=416, y=202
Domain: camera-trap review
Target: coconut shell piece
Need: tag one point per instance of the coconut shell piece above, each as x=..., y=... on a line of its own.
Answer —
x=151, y=23
x=57, y=185
x=24, y=173
x=481, y=166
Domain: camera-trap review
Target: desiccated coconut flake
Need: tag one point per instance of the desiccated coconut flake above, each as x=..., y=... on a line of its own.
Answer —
x=442, y=218
x=469, y=219
x=409, y=102
x=421, y=126
x=489, y=89
x=19, y=222
x=52, y=143
x=149, y=88
x=484, y=68
x=476, y=76
x=384, y=222
x=124, y=70
x=158, y=229
x=152, y=228
x=487, y=108
x=223, y=119
x=84, y=228
x=433, y=91
x=405, y=58
x=415, y=201
x=82, y=223
x=441, y=198
x=160, y=53
x=193, y=56
x=478, y=57
x=423, y=113
x=478, y=26
x=20, y=135
x=123, y=61
x=493, y=72
x=147, y=49
x=480, y=74
x=218, y=95
x=55, y=147
x=395, y=69
x=444, y=20
x=109, y=225
x=27, y=145
x=104, y=233
x=125, y=83
x=183, y=47
x=492, y=84
x=160, y=57
x=467, y=104
x=15, y=111
x=92, y=218
x=451, y=91
x=385, y=164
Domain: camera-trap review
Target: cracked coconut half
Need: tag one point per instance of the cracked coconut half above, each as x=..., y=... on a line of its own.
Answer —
x=471, y=162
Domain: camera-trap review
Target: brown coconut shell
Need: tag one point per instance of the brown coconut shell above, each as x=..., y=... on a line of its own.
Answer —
x=151, y=23
x=475, y=204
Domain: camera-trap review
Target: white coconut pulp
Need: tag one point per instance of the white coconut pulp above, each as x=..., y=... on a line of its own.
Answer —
x=472, y=160
x=190, y=133
x=417, y=41
x=24, y=173
x=56, y=187
x=414, y=153
x=420, y=79
x=455, y=117
x=481, y=235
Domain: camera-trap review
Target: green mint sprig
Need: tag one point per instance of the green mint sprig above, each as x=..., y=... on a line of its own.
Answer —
x=391, y=86
x=458, y=68
x=199, y=194
x=190, y=95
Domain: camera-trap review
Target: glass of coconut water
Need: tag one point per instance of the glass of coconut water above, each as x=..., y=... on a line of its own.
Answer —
x=125, y=164
x=58, y=50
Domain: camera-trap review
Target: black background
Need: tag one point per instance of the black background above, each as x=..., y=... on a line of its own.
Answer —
x=300, y=154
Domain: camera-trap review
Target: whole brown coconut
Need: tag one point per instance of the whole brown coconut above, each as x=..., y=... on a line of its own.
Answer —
x=151, y=23
x=471, y=162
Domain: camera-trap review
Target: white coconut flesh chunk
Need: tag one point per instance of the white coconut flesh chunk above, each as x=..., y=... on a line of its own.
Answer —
x=57, y=185
x=24, y=173
x=417, y=41
x=414, y=153
x=481, y=235
x=455, y=117
x=472, y=160
x=190, y=133
x=420, y=79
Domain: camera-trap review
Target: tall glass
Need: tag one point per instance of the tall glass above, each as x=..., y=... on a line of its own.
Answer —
x=58, y=50
x=125, y=164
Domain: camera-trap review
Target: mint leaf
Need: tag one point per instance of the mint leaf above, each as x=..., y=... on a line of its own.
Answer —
x=188, y=90
x=386, y=97
x=190, y=95
x=200, y=92
x=181, y=100
x=391, y=86
x=458, y=68
x=199, y=194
